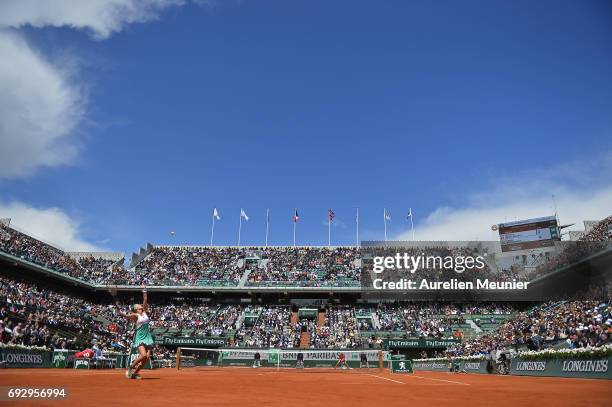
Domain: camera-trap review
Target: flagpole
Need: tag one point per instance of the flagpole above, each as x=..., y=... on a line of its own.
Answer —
x=267, y=224
x=357, y=219
x=411, y=224
x=328, y=230
x=239, y=227
x=212, y=232
x=385, y=220
x=294, y=224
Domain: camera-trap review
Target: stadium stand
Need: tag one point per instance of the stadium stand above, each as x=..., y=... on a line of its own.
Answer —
x=191, y=266
x=596, y=240
x=575, y=324
x=256, y=266
x=307, y=266
x=34, y=314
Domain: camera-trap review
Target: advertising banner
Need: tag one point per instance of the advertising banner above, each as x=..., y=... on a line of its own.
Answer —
x=468, y=366
x=60, y=358
x=17, y=357
x=570, y=367
x=193, y=342
x=419, y=343
x=324, y=358
x=401, y=366
x=82, y=363
x=598, y=368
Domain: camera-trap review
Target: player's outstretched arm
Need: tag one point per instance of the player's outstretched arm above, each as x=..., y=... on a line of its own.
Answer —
x=145, y=302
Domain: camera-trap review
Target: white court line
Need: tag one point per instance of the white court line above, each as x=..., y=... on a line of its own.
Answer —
x=385, y=378
x=64, y=373
x=439, y=380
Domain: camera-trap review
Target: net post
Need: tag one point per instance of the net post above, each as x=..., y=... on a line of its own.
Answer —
x=380, y=360
x=178, y=358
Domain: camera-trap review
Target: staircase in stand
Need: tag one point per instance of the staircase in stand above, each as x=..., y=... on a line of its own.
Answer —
x=244, y=278
x=475, y=327
x=304, y=340
x=320, y=319
x=294, y=318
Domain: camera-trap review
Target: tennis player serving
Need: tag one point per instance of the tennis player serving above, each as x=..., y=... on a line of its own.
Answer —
x=143, y=340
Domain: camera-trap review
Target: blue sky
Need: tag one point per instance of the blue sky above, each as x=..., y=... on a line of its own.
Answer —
x=471, y=113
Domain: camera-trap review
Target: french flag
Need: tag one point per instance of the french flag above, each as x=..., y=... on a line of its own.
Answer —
x=296, y=217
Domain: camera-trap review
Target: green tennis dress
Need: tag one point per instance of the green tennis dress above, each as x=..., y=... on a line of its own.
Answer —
x=143, y=335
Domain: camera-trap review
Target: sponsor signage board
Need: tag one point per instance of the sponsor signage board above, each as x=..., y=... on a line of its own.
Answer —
x=324, y=358
x=468, y=366
x=193, y=342
x=419, y=343
x=401, y=366
x=572, y=367
x=16, y=357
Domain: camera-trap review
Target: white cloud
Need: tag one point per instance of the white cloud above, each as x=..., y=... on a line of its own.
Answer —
x=101, y=17
x=51, y=225
x=582, y=190
x=39, y=110
x=41, y=105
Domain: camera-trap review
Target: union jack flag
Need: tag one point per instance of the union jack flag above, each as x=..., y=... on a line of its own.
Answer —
x=331, y=215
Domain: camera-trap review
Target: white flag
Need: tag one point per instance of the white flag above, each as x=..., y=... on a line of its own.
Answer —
x=387, y=215
x=243, y=214
x=216, y=214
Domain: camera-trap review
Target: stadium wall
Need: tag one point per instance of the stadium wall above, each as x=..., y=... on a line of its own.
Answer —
x=23, y=357
x=29, y=357
x=468, y=366
x=288, y=358
x=576, y=367
x=598, y=368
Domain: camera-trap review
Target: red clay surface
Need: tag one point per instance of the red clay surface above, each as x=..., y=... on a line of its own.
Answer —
x=265, y=387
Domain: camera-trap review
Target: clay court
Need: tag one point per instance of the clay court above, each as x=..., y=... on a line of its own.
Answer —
x=263, y=387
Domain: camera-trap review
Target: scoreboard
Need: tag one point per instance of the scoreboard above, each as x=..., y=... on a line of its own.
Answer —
x=529, y=234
